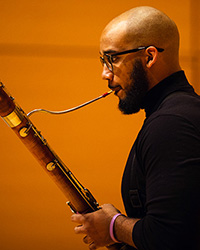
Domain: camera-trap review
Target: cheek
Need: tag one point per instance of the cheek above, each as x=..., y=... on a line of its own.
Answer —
x=122, y=75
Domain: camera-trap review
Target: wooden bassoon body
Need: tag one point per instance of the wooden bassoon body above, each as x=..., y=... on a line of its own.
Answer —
x=79, y=198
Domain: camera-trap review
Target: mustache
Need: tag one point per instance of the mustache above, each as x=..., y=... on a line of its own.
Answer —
x=110, y=86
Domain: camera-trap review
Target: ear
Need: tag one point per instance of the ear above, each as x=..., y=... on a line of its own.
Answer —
x=151, y=56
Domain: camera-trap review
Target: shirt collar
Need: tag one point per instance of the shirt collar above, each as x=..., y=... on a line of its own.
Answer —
x=175, y=82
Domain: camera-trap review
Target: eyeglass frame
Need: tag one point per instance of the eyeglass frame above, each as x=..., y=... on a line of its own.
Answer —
x=110, y=60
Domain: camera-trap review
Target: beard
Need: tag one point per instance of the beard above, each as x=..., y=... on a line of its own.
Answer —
x=136, y=91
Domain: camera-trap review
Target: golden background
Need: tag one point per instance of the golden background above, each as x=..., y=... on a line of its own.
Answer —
x=49, y=58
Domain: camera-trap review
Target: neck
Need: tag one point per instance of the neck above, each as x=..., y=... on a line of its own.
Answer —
x=159, y=75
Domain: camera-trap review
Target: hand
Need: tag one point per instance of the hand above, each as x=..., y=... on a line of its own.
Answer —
x=96, y=226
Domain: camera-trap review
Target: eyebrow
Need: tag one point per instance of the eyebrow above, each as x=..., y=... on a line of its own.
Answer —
x=108, y=51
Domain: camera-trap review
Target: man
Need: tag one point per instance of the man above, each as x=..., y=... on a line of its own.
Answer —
x=161, y=182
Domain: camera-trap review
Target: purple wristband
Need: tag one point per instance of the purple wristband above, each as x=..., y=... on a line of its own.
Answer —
x=112, y=227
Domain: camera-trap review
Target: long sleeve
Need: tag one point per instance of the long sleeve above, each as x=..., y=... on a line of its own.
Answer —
x=169, y=152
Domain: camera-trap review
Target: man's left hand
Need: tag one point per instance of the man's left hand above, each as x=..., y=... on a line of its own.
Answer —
x=95, y=226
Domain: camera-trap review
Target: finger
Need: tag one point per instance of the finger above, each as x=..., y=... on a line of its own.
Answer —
x=87, y=239
x=79, y=218
x=79, y=229
x=92, y=246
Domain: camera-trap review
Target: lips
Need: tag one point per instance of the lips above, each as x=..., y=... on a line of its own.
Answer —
x=115, y=89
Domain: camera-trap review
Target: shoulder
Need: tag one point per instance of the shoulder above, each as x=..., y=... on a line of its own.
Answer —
x=177, y=110
x=173, y=129
x=163, y=130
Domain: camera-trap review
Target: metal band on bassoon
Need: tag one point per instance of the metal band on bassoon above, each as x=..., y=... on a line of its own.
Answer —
x=14, y=118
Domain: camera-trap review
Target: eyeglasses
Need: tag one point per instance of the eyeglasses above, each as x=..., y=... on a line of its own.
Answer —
x=108, y=59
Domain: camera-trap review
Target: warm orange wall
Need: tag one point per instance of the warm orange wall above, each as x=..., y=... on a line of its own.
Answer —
x=49, y=59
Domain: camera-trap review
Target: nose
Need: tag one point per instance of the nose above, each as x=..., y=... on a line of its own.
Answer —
x=106, y=73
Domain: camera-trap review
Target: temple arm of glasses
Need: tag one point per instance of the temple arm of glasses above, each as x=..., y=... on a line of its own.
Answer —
x=135, y=50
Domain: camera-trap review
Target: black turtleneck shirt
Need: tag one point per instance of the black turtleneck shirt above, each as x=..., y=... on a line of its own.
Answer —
x=161, y=181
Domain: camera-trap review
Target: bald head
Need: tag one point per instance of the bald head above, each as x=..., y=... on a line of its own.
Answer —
x=144, y=26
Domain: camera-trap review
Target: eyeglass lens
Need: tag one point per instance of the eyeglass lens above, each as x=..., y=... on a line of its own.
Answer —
x=106, y=59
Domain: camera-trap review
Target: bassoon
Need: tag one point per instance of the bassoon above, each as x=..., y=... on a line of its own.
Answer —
x=80, y=199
